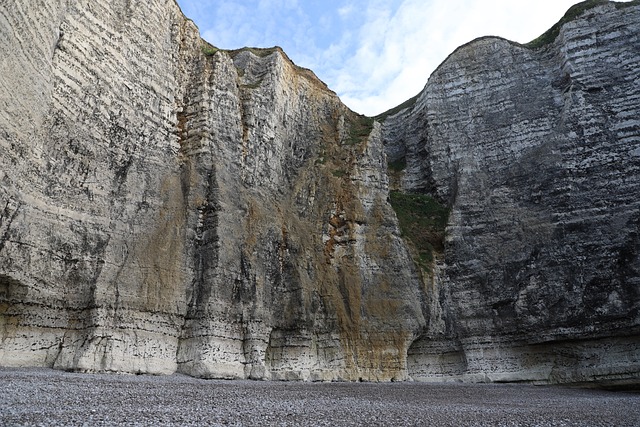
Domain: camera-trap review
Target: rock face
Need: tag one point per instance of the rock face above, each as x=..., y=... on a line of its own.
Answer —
x=537, y=151
x=166, y=206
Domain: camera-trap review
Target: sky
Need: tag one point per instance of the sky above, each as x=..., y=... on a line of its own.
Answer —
x=375, y=54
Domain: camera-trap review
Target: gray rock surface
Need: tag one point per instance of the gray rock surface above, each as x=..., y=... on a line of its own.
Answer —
x=169, y=207
x=535, y=150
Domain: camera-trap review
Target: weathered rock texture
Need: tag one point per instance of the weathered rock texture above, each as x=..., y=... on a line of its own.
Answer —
x=164, y=209
x=165, y=206
x=537, y=151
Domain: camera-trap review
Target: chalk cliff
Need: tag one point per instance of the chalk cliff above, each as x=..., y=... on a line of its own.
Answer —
x=537, y=152
x=167, y=206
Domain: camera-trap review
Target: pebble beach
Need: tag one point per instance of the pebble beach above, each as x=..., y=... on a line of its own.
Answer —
x=44, y=397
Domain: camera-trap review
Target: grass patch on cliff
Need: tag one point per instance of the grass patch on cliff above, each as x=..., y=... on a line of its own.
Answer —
x=422, y=222
x=253, y=85
x=395, y=110
x=573, y=12
x=622, y=5
x=359, y=129
x=398, y=165
x=208, y=49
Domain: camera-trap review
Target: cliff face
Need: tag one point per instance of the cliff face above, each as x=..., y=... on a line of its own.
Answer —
x=537, y=153
x=166, y=206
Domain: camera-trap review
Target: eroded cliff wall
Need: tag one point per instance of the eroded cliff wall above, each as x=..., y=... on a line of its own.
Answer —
x=166, y=206
x=537, y=151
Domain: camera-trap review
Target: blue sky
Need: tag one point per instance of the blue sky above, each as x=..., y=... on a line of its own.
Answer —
x=375, y=54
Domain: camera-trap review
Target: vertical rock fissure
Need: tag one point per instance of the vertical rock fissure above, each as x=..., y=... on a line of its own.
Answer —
x=8, y=215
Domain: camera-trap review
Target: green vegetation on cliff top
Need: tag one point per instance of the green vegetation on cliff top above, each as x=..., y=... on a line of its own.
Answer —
x=395, y=110
x=257, y=51
x=574, y=11
x=209, y=50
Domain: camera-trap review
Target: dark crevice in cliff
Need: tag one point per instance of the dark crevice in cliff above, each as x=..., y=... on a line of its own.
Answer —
x=7, y=216
x=206, y=248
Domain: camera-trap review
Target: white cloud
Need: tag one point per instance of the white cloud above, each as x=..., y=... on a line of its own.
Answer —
x=398, y=51
x=345, y=11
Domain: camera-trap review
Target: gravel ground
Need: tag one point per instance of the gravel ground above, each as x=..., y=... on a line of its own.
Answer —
x=47, y=397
